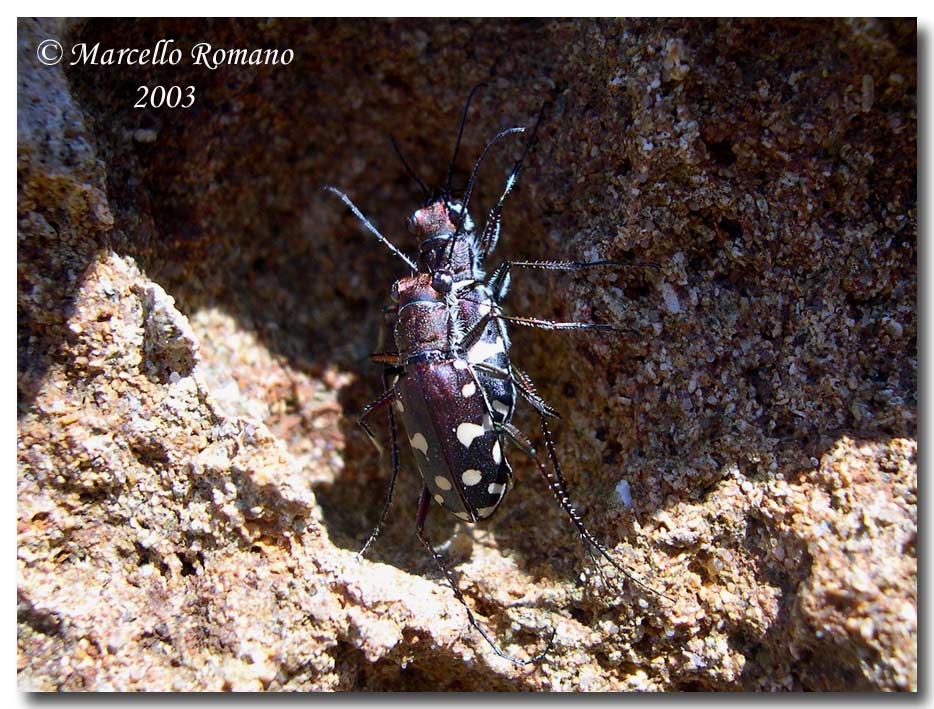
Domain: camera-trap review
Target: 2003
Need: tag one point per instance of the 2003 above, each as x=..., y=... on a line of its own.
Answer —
x=171, y=97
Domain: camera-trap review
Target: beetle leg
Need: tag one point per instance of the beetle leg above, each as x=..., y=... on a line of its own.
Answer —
x=449, y=577
x=381, y=403
x=552, y=325
x=599, y=568
x=498, y=281
x=523, y=384
x=394, y=457
x=559, y=488
x=519, y=440
x=476, y=332
x=573, y=265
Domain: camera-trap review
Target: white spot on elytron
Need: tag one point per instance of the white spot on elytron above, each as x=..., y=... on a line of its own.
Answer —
x=624, y=493
x=471, y=477
x=442, y=482
x=467, y=432
x=439, y=500
x=394, y=380
x=484, y=308
x=501, y=408
x=419, y=443
x=495, y=488
x=399, y=407
x=483, y=351
x=487, y=423
x=497, y=453
x=462, y=515
x=485, y=511
x=469, y=389
x=460, y=364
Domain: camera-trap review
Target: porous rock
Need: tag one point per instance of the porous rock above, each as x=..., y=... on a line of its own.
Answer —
x=194, y=317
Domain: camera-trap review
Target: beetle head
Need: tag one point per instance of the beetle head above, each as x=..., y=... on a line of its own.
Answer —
x=435, y=225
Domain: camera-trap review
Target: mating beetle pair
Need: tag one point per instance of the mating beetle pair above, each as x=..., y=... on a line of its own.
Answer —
x=449, y=376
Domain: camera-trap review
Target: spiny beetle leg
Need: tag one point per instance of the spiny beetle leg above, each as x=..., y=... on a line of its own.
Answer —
x=473, y=337
x=575, y=265
x=552, y=325
x=598, y=566
x=499, y=279
x=559, y=488
x=519, y=439
x=449, y=577
x=527, y=389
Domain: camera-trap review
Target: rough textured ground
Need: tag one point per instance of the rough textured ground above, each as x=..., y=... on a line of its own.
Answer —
x=195, y=317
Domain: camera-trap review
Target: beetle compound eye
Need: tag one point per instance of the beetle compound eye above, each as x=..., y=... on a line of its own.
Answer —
x=394, y=293
x=442, y=281
x=410, y=223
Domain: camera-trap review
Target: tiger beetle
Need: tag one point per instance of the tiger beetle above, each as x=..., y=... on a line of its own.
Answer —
x=447, y=372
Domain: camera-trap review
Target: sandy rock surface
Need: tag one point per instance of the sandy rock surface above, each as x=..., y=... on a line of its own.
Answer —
x=195, y=315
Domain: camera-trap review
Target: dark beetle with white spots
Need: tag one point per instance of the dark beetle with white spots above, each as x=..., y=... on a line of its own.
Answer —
x=449, y=376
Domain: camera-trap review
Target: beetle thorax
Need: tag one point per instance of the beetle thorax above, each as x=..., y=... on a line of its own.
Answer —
x=425, y=326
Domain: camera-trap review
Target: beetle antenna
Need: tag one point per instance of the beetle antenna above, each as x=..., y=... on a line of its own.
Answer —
x=372, y=229
x=528, y=147
x=470, y=183
x=510, y=180
x=408, y=168
x=460, y=134
x=490, y=233
x=476, y=169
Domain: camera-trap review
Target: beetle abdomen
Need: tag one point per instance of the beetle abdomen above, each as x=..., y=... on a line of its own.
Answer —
x=450, y=428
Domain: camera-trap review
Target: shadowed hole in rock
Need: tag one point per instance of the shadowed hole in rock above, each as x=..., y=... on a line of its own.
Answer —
x=722, y=152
